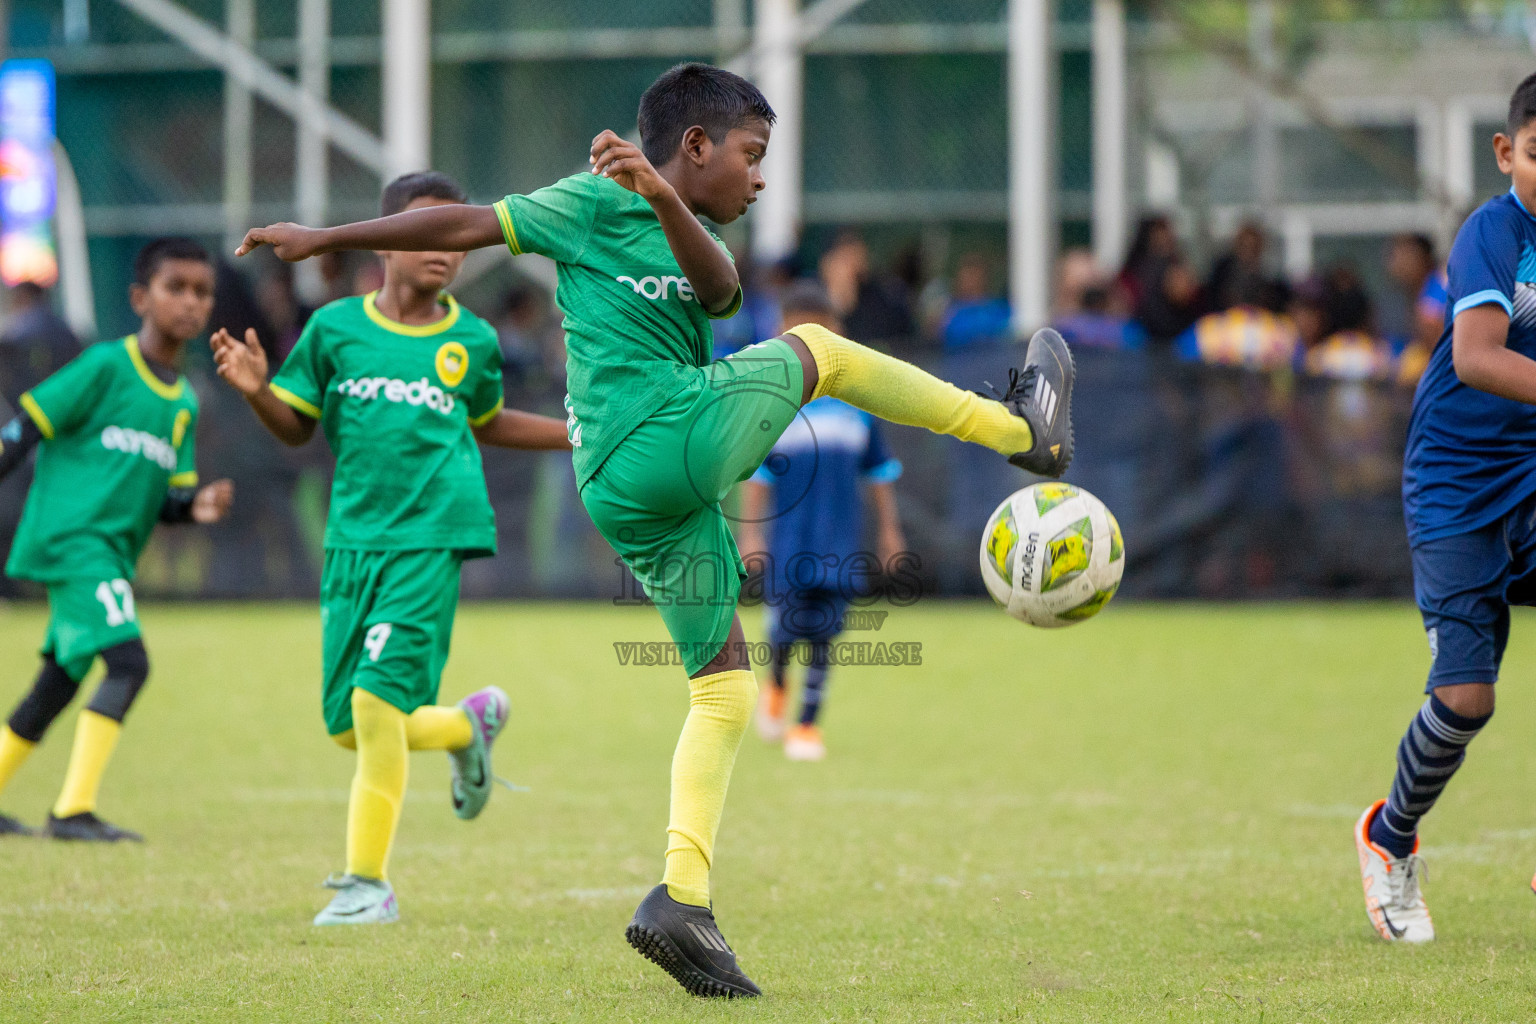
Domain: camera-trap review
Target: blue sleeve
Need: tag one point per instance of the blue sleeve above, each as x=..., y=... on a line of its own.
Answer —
x=877, y=466
x=762, y=476
x=1134, y=336
x=1187, y=346
x=1483, y=262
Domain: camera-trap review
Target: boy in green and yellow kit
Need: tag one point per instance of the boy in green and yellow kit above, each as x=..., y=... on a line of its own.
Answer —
x=115, y=435
x=661, y=433
x=403, y=382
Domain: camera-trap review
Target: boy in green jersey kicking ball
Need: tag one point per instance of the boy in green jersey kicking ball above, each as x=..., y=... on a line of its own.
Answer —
x=403, y=382
x=114, y=431
x=661, y=433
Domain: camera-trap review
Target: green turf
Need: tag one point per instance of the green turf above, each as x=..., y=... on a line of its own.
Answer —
x=1146, y=817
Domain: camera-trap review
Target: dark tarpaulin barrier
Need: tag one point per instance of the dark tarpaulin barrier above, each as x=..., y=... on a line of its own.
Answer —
x=1226, y=483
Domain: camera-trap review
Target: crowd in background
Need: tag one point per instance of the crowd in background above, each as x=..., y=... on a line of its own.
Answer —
x=1240, y=313
x=1277, y=409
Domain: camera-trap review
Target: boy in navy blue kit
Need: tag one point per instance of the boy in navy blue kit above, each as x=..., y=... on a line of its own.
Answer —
x=1469, y=497
x=807, y=495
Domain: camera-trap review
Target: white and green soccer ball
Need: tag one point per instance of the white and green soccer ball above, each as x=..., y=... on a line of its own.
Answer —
x=1052, y=555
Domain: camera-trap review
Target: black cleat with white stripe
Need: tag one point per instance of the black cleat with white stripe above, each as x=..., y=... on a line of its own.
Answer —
x=684, y=941
x=1041, y=394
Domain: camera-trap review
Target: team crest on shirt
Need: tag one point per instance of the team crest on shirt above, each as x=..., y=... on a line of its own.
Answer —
x=452, y=363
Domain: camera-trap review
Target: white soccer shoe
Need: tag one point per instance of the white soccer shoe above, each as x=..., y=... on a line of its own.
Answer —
x=804, y=743
x=1393, y=901
x=772, y=720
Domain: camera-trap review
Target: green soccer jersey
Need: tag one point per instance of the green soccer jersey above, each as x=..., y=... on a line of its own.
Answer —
x=115, y=439
x=633, y=327
x=397, y=403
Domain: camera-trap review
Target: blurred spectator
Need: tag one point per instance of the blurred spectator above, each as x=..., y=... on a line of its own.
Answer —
x=976, y=315
x=280, y=316
x=871, y=309
x=758, y=318
x=1350, y=351
x=35, y=341
x=1308, y=310
x=1412, y=265
x=1244, y=260
x=1247, y=335
x=1153, y=246
x=1076, y=272
x=1158, y=284
x=528, y=330
x=1095, y=325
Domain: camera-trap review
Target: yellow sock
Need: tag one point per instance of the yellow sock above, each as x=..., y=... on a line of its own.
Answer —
x=13, y=751
x=431, y=727
x=438, y=727
x=95, y=739
x=378, y=788
x=901, y=393
x=719, y=708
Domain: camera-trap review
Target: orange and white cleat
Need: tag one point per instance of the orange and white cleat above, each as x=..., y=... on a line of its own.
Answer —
x=1393, y=900
x=771, y=720
x=804, y=743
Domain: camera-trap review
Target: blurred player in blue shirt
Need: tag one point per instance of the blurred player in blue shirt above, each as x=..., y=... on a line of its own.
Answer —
x=803, y=524
x=1469, y=497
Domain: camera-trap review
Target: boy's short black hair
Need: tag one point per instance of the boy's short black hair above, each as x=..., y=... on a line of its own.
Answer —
x=408, y=188
x=696, y=94
x=1522, y=106
x=157, y=251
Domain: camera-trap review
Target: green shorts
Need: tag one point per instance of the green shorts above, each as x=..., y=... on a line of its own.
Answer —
x=386, y=620
x=656, y=498
x=85, y=617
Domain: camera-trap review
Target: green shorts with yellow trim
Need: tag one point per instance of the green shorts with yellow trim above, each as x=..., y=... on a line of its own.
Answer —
x=656, y=498
x=85, y=617
x=386, y=621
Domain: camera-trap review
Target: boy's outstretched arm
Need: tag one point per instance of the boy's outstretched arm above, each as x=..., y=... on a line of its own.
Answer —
x=244, y=365
x=513, y=428
x=704, y=263
x=1482, y=359
x=449, y=228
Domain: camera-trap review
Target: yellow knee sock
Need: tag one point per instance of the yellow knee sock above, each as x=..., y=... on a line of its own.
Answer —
x=438, y=727
x=719, y=708
x=95, y=739
x=431, y=727
x=901, y=393
x=378, y=788
x=13, y=751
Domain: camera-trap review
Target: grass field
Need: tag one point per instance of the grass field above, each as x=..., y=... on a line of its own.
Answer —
x=1145, y=818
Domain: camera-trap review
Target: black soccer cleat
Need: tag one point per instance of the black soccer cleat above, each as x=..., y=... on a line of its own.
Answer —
x=684, y=941
x=1041, y=394
x=86, y=827
x=9, y=826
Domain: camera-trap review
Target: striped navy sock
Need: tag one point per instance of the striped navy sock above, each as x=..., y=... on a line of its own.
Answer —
x=1431, y=751
x=815, y=682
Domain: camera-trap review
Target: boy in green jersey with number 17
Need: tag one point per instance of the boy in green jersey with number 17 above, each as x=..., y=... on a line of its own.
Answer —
x=403, y=382
x=114, y=431
x=661, y=433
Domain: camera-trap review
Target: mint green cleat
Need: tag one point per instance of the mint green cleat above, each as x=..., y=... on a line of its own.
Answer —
x=359, y=900
x=471, y=787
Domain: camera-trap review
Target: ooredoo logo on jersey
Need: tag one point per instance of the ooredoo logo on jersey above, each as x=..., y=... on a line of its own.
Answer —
x=659, y=288
x=393, y=389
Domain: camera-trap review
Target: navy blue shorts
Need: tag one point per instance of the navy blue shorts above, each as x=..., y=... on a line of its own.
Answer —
x=815, y=614
x=1465, y=586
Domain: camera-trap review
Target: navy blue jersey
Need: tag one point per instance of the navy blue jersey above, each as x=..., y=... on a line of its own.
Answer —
x=1471, y=455
x=815, y=472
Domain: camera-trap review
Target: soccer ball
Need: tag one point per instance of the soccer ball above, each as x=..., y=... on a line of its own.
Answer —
x=1052, y=555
